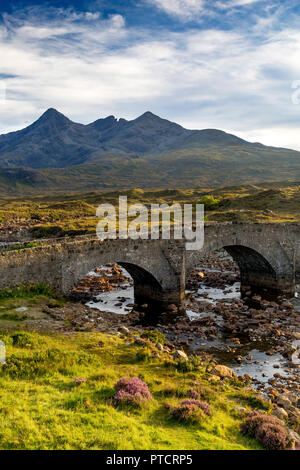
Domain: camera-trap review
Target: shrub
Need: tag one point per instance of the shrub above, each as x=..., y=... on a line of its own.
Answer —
x=191, y=365
x=270, y=431
x=23, y=340
x=203, y=405
x=255, y=419
x=132, y=391
x=154, y=336
x=272, y=436
x=210, y=203
x=193, y=411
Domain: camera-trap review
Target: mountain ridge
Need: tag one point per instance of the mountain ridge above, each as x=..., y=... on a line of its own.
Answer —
x=55, y=141
x=54, y=154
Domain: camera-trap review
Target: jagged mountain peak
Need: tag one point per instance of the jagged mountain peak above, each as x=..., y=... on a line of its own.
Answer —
x=51, y=114
x=54, y=141
x=151, y=118
x=149, y=115
x=104, y=123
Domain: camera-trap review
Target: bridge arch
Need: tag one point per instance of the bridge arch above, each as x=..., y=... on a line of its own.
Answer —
x=255, y=270
x=156, y=279
x=146, y=286
x=264, y=260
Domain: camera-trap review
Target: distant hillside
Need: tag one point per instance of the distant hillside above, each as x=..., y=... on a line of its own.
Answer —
x=145, y=152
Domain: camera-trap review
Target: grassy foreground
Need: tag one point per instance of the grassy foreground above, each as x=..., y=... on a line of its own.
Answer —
x=43, y=407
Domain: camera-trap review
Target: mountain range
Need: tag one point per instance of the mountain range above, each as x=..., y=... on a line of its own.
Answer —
x=145, y=152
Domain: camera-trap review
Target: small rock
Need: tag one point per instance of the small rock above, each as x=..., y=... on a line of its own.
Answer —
x=180, y=355
x=80, y=380
x=124, y=330
x=172, y=308
x=241, y=409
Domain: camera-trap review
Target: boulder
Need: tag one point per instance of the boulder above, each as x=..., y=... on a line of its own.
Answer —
x=280, y=413
x=223, y=371
x=283, y=401
x=294, y=438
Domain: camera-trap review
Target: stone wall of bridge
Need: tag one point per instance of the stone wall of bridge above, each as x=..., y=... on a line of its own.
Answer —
x=157, y=266
x=268, y=256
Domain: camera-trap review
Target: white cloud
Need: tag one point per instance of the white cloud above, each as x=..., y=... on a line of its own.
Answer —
x=185, y=9
x=236, y=3
x=200, y=78
x=195, y=9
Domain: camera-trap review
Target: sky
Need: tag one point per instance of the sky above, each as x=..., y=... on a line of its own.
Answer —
x=227, y=64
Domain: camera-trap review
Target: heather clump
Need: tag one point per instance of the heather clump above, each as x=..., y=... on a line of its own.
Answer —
x=132, y=391
x=192, y=393
x=192, y=411
x=270, y=431
x=203, y=405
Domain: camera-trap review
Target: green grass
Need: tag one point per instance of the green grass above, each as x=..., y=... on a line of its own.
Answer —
x=41, y=406
x=27, y=291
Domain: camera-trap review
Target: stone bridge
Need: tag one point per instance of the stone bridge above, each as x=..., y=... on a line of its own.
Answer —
x=268, y=256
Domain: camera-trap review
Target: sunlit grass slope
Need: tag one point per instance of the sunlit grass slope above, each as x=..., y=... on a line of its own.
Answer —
x=42, y=406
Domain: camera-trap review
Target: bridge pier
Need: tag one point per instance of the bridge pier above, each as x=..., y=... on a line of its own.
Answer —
x=144, y=294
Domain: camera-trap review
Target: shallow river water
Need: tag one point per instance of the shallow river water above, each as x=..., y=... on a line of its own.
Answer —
x=256, y=362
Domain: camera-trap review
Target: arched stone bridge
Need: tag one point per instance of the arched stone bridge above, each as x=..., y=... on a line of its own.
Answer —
x=268, y=256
